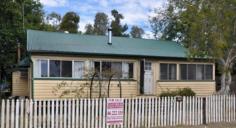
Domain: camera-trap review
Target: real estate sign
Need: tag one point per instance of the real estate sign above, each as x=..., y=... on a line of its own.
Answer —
x=115, y=111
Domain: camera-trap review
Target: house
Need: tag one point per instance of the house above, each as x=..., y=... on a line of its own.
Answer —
x=138, y=66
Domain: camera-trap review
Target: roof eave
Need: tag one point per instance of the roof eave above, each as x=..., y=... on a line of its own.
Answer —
x=102, y=54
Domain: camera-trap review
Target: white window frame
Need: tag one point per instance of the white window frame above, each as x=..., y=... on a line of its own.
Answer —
x=122, y=63
x=168, y=64
x=204, y=70
x=37, y=68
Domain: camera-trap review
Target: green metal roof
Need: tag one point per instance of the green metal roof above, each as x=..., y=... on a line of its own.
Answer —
x=56, y=42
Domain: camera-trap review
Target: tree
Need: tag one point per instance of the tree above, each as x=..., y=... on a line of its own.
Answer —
x=16, y=16
x=117, y=28
x=55, y=19
x=136, y=32
x=100, y=23
x=33, y=14
x=165, y=24
x=89, y=30
x=70, y=22
x=208, y=29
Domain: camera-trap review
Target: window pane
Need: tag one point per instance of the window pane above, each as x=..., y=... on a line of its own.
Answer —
x=172, y=72
x=106, y=69
x=66, y=69
x=183, y=71
x=208, y=72
x=164, y=71
x=200, y=72
x=148, y=66
x=55, y=68
x=192, y=72
x=78, y=69
x=44, y=68
x=125, y=70
x=116, y=69
x=131, y=70
x=97, y=68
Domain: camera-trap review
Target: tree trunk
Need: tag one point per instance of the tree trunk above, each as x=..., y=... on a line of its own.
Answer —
x=222, y=82
x=229, y=80
x=226, y=80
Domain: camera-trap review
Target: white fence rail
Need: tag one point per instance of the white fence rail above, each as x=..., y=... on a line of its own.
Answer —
x=138, y=112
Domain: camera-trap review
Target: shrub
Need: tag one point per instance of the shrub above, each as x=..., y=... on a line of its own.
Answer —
x=168, y=93
x=186, y=92
x=179, y=92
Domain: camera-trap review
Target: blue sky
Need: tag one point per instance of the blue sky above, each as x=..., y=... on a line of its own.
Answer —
x=135, y=12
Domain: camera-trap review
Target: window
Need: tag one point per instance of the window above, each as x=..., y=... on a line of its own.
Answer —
x=164, y=71
x=44, y=68
x=200, y=72
x=167, y=71
x=66, y=68
x=112, y=68
x=191, y=72
x=196, y=72
x=131, y=70
x=208, y=72
x=106, y=68
x=117, y=69
x=172, y=72
x=55, y=68
x=58, y=68
x=78, y=70
x=97, y=67
x=148, y=66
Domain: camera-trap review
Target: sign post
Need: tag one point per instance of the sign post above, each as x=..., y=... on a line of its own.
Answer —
x=115, y=111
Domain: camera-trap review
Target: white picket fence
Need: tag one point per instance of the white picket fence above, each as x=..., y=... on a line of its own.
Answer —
x=220, y=108
x=138, y=112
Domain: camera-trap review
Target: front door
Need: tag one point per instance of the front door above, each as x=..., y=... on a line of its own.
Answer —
x=148, y=78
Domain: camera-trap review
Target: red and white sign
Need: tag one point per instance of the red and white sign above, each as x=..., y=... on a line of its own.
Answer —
x=115, y=111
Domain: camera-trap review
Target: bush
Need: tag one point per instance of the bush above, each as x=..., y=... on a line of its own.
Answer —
x=168, y=93
x=179, y=92
x=186, y=92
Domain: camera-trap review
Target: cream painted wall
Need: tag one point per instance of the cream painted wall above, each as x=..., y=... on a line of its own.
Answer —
x=201, y=88
x=43, y=88
x=19, y=84
x=48, y=89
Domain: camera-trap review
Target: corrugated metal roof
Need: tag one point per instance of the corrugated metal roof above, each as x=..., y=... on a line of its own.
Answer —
x=41, y=41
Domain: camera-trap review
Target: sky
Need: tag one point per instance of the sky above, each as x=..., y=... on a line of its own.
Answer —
x=135, y=12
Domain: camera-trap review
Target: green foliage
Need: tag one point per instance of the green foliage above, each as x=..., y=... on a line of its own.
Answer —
x=117, y=28
x=89, y=30
x=206, y=27
x=70, y=22
x=16, y=16
x=100, y=23
x=179, y=92
x=55, y=19
x=186, y=92
x=136, y=32
x=168, y=93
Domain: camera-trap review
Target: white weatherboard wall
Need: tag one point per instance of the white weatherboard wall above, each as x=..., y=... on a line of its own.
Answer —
x=138, y=112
